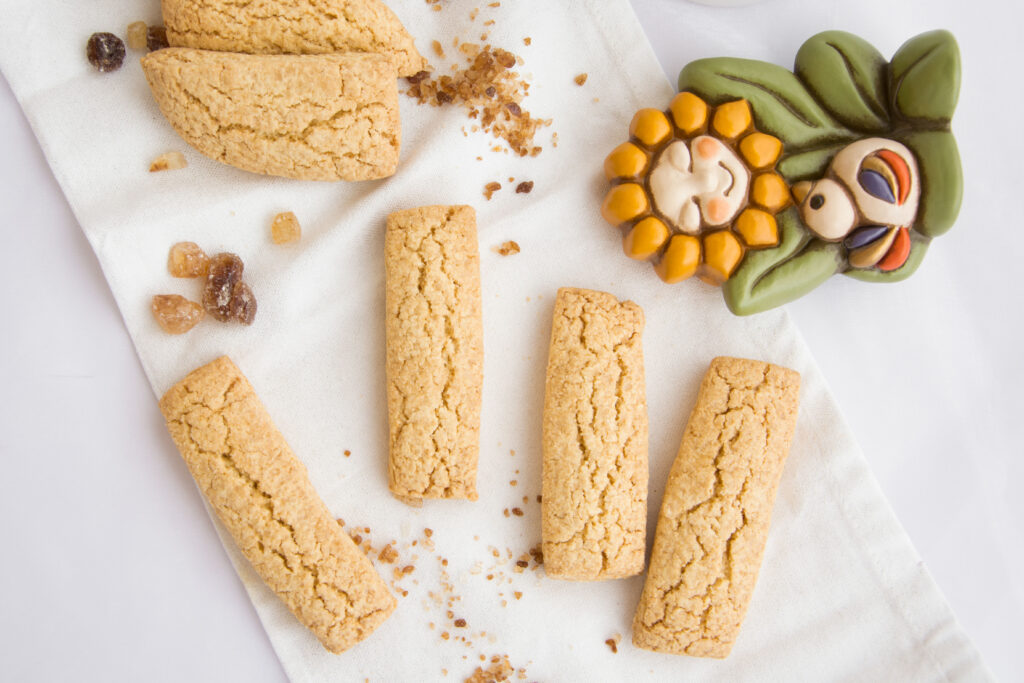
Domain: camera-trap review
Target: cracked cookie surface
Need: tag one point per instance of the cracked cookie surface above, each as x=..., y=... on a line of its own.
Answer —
x=594, y=489
x=263, y=496
x=434, y=365
x=716, y=509
x=313, y=117
x=292, y=27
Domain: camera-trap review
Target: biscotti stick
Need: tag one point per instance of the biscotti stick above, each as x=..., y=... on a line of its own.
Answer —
x=309, y=117
x=594, y=489
x=292, y=27
x=434, y=361
x=263, y=496
x=717, y=508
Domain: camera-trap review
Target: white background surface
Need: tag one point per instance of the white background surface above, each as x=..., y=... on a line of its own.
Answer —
x=122, y=574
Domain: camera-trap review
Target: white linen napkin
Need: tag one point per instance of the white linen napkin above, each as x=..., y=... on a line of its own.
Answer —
x=842, y=595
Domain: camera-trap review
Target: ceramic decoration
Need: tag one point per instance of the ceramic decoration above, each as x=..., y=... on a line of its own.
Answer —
x=767, y=182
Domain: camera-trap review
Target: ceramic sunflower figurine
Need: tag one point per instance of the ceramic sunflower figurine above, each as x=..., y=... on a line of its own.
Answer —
x=768, y=182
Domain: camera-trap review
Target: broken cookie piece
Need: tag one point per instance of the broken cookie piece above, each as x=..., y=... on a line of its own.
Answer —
x=292, y=27
x=312, y=117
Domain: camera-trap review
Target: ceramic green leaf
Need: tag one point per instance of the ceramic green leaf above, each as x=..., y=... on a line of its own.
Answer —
x=768, y=182
x=847, y=75
x=925, y=77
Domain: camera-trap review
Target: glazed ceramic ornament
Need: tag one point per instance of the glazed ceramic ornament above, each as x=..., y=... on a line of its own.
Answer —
x=768, y=182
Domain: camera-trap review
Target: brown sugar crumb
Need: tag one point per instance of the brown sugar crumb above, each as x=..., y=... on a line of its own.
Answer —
x=517, y=512
x=490, y=92
x=613, y=643
x=388, y=555
x=348, y=453
x=460, y=623
x=438, y=50
x=408, y=569
x=168, y=161
x=175, y=314
x=494, y=4
x=490, y=189
x=506, y=512
x=524, y=187
x=518, y=595
x=580, y=79
x=540, y=498
x=187, y=259
x=445, y=635
x=285, y=228
x=527, y=40
x=507, y=249
x=513, y=482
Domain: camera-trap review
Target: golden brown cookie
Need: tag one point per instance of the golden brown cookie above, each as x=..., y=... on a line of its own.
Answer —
x=263, y=496
x=717, y=508
x=594, y=504
x=310, y=117
x=434, y=365
x=292, y=27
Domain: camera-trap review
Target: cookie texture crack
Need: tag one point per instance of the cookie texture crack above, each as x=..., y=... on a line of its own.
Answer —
x=262, y=494
x=292, y=27
x=716, y=510
x=327, y=117
x=434, y=338
x=594, y=488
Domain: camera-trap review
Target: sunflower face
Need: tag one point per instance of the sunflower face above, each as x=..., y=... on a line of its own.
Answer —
x=695, y=188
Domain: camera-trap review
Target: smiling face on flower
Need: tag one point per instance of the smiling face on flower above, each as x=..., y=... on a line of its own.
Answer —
x=700, y=179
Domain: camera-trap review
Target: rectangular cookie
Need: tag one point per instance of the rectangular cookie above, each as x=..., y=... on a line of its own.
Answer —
x=717, y=508
x=434, y=338
x=308, y=117
x=262, y=494
x=594, y=488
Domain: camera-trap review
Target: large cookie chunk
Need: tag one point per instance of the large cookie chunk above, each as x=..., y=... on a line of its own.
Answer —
x=263, y=496
x=292, y=27
x=310, y=117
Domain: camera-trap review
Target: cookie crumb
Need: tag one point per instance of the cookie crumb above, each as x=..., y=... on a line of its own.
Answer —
x=527, y=40
x=136, y=35
x=438, y=50
x=285, y=229
x=524, y=187
x=387, y=555
x=580, y=79
x=348, y=453
x=460, y=623
x=168, y=161
x=613, y=643
x=490, y=188
x=507, y=248
x=517, y=512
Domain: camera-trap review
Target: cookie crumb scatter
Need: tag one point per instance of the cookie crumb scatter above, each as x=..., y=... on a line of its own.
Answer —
x=524, y=187
x=105, y=51
x=168, y=161
x=490, y=92
x=175, y=314
x=507, y=249
x=136, y=35
x=285, y=228
x=187, y=259
x=156, y=38
x=490, y=189
x=580, y=79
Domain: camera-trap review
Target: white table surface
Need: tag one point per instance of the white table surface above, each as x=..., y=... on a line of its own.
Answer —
x=112, y=570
